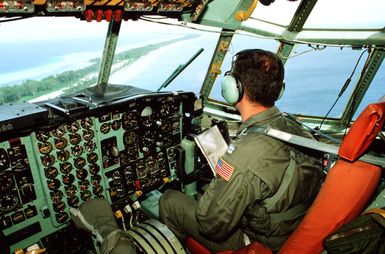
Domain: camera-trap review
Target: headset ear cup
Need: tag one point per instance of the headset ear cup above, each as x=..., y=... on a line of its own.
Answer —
x=229, y=89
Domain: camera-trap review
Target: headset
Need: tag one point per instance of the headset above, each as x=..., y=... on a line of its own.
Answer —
x=231, y=87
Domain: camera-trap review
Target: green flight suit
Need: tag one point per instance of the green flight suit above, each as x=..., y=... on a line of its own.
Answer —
x=240, y=200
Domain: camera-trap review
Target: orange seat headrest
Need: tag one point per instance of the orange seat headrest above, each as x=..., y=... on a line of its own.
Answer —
x=363, y=131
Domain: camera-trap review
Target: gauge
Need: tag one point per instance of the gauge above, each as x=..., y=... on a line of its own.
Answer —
x=42, y=136
x=47, y=160
x=60, y=143
x=76, y=150
x=4, y=160
x=95, y=180
x=73, y=201
x=63, y=155
x=74, y=138
x=97, y=190
x=53, y=184
x=104, y=118
x=73, y=127
x=92, y=158
x=88, y=134
x=129, y=138
x=84, y=185
x=85, y=195
x=59, y=131
x=90, y=146
x=45, y=148
x=6, y=182
x=115, y=125
x=86, y=123
x=61, y=217
x=59, y=207
x=129, y=120
x=71, y=190
x=9, y=202
x=68, y=179
x=105, y=128
x=81, y=174
x=56, y=195
x=79, y=162
x=51, y=172
x=65, y=167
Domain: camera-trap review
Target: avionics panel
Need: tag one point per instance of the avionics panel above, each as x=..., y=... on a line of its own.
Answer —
x=118, y=151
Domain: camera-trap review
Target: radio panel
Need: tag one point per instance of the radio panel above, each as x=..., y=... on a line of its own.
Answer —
x=117, y=152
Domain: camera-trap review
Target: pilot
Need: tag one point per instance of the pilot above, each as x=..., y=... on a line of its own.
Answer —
x=263, y=186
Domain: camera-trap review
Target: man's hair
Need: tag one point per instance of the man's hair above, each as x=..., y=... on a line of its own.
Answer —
x=261, y=74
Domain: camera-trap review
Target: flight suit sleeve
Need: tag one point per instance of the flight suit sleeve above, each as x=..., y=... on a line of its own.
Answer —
x=224, y=202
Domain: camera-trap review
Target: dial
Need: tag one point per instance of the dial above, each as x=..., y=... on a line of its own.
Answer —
x=59, y=207
x=60, y=143
x=71, y=190
x=73, y=201
x=97, y=190
x=86, y=123
x=95, y=180
x=47, y=160
x=105, y=128
x=77, y=150
x=4, y=160
x=68, y=179
x=79, y=162
x=75, y=138
x=51, y=172
x=73, y=127
x=129, y=120
x=59, y=131
x=42, y=136
x=85, y=195
x=88, y=134
x=53, y=184
x=92, y=158
x=130, y=137
x=90, y=146
x=56, y=196
x=81, y=174
x=94, y=169
x=65, y=167
x=45, y=148
x=115, y=125
x=63, y=155
x=84, y=185
x=9, y=202
x=6, y=182
x=62, y=217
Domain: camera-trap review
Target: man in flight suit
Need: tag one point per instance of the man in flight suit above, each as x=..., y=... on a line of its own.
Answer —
x=263, y=186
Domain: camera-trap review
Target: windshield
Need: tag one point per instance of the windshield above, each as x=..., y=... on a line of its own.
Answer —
x=43, y=58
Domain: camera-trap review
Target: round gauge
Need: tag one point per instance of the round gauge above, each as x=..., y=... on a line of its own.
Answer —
x=51, y=172
x=56, y=196
x=88, y=134
x=63, y=155
x=77, y=150
x=105, y=128
x=75, y=138
x=129, y=120
x=42, y=136
x=9, y=202
x=90, y=146
x=61, y=217
x=59, y=131
x=95, y=180
x=83, y=185
x=73, y=201
x=4, y=161
x=47, y=160
x=59, y=207
x=73, y=127
x=71, y=190
x=94, y=169
x=45, y=148
x=86, y=123
x=6, y=182
x=81, y=174
x=92, y=158
x=97, y=190
x=79, y=162
x=65, y=167
x=60, y=143
x=129, y=138
x=68, y=179
x=85, y=195
x=115, y=125
x=53, y=184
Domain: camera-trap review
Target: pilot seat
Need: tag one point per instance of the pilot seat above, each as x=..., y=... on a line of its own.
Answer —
x=348, y=186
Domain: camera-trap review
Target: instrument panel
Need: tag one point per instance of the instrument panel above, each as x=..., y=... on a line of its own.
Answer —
x=118, y=152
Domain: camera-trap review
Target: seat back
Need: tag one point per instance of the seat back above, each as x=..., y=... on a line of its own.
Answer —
x=347, y=187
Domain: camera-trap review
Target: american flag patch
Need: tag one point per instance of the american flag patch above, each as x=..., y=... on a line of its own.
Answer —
x=224, y=169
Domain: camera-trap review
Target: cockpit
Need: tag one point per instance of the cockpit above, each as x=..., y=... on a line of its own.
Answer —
x=103, y=100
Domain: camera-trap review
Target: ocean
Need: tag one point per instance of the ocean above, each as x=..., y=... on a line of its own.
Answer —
x=313, y=79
